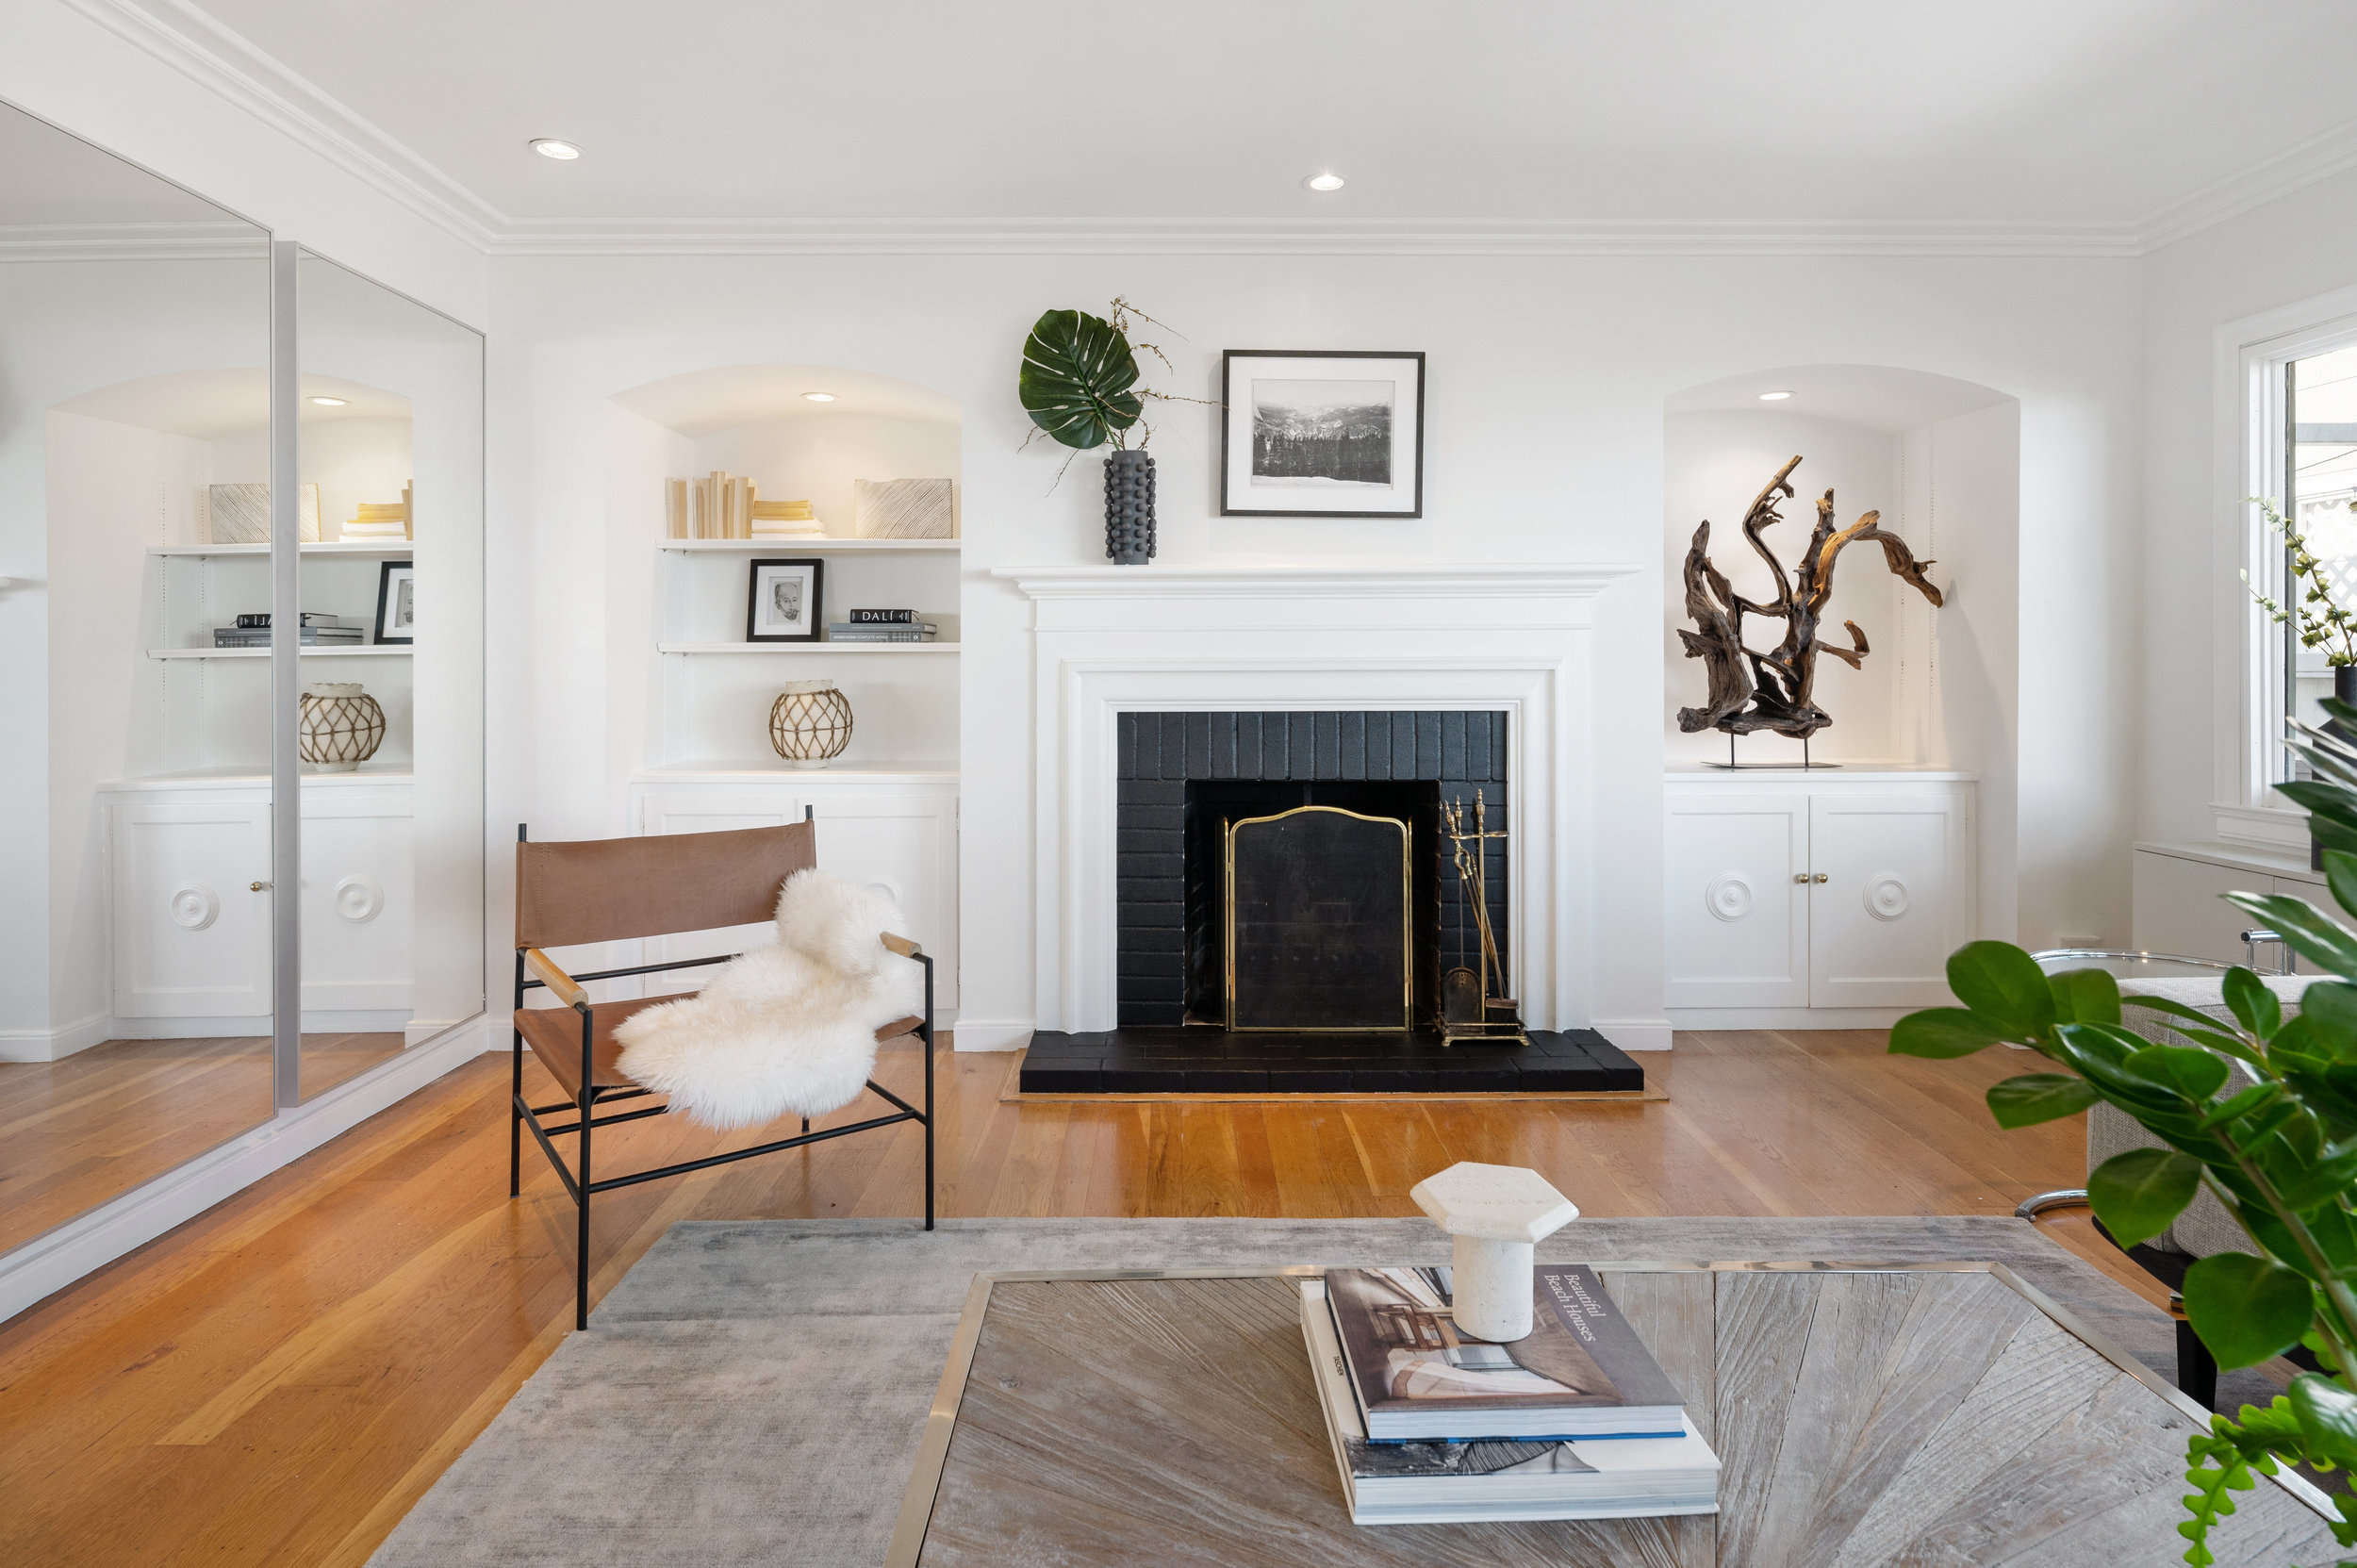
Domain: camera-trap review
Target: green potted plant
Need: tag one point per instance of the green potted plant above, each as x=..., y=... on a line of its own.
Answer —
x=1079, y=385
x=2280, y=1152
x=2322, y=623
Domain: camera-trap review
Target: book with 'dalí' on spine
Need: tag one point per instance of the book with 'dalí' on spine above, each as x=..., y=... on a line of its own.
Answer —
x=1415, y=1484
x=259, y=619
x=1581, y=1371
x=882, y=617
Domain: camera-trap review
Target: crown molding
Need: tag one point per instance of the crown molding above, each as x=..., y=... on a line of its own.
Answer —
x=1133, y=237
x=199, y=47
x=132, y=241
x=182, y=36
x=2321, y=157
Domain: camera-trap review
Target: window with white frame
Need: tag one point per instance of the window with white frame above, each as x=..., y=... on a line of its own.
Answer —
x=2319, y=431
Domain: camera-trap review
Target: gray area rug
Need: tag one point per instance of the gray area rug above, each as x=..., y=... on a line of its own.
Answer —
x=753, y=1393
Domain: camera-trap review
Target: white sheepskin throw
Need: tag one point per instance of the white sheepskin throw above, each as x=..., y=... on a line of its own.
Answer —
x=786, y=1029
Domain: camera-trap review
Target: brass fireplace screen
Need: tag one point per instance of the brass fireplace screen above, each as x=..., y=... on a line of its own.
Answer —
x=1318, y=936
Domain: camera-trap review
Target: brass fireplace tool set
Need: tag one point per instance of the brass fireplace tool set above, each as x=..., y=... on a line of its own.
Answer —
x=1470, y=1011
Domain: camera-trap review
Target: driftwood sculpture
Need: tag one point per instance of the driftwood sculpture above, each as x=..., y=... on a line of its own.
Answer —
x=1777, y=686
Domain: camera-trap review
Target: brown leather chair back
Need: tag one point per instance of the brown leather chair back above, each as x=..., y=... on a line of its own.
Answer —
x=610, y=889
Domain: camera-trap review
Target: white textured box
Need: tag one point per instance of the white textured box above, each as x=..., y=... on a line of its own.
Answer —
x=904, y=509
x=239, y=514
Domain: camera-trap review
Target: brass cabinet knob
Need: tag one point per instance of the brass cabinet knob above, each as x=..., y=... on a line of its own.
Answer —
x=257, y=887
x=1820, y=877
x=1800, y=876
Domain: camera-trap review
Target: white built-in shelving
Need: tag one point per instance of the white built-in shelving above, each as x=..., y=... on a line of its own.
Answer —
x=819, y=544
x=361, y=651
x=386, y=550
x=806, y=648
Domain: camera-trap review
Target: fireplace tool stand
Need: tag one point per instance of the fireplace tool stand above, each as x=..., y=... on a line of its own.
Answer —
x=1470, y=1014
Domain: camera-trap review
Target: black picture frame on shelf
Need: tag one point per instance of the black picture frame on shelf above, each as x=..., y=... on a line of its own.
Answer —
x=786, y=599
x=1333, y=433
x=396, y=601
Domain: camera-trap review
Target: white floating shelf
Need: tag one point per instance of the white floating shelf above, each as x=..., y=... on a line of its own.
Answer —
x=366, y=651
x=774, y=771
x=861, y=648
x=387, y=551
x=825, y=545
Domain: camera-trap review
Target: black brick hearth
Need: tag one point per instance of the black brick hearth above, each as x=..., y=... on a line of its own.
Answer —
x=1210, y=1061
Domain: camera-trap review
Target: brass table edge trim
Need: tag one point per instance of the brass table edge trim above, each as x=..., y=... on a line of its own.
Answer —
x=933, y=1454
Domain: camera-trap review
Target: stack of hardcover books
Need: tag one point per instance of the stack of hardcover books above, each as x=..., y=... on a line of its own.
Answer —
x=881, y=626
x=317, y=630
x=1576, y=1421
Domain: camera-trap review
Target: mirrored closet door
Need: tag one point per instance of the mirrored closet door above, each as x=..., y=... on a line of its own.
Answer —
x=203, y=929
x=390, y=714
x=135, y=996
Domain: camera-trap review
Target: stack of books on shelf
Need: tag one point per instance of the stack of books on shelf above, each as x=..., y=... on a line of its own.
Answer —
x=253, y=631
x=1576, y=1421
x=786, y=520
x=379, y=522
x=726, y=505
x=881, y=626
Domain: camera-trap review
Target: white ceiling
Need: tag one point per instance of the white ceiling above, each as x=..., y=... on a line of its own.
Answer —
x=816, y=114
x=700, y=402
x=1877, y=397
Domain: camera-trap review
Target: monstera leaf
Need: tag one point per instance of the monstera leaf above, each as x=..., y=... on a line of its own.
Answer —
x=1078, y=372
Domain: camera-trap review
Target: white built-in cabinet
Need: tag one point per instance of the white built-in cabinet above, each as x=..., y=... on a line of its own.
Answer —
x=190, y=874
x=1831, y=889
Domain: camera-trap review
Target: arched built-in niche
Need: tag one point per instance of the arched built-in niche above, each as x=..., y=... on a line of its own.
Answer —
x=705, y=693
x=1939, y=459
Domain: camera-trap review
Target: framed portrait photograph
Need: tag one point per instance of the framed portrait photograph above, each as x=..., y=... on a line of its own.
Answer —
x=1333, y=434
x=783, y=602
x=396, y=601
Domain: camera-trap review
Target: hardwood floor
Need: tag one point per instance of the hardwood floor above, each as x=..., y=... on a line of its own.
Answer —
x=92, y=1127
x=276, y=1382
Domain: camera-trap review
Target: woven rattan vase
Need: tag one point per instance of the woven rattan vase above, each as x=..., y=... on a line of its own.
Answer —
x=340, y=727
x=810, y=724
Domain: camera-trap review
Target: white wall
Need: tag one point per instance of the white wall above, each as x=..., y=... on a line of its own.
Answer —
x=2187, y=671
x=1544, y=441
x=816, y=457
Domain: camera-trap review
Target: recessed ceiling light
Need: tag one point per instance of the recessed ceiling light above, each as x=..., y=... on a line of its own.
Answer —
x=1328, y=181
x=548, y=146
x=330, y=403
x=817, y=397
x=1774, y=397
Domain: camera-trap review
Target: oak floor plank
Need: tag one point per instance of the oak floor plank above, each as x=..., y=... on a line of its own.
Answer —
x=439, y=1295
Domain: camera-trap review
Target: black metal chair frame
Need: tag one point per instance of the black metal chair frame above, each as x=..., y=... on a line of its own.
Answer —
x=580, y=1187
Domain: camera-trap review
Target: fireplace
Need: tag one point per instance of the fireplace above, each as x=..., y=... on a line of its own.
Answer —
x=1310, y=954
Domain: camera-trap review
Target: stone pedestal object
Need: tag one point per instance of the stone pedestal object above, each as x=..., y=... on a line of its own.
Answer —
x=1498, y=1214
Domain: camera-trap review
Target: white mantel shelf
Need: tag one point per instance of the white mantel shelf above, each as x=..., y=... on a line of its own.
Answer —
x=1406, y=579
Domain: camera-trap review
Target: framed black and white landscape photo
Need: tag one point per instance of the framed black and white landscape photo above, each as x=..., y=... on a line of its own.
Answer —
x=782, y=602
x=1337, y=435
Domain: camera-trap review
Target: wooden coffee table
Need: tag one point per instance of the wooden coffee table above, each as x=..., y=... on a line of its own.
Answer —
x=1865, y=1413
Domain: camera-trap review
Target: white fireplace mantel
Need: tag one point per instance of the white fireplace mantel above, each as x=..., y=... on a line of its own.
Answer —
x=1507, y=636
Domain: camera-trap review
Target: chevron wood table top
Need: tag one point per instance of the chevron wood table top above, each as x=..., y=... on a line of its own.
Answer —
x=1863, y=1415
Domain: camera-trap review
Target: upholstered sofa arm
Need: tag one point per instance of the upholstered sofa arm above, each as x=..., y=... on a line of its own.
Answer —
x=2205, y=1227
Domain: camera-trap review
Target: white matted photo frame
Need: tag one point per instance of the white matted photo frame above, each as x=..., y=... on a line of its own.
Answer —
x=784, y=601
x=397, y=601
x=1333, y=434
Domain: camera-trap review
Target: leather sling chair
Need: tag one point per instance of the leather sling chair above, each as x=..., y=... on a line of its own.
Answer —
x=617, y=889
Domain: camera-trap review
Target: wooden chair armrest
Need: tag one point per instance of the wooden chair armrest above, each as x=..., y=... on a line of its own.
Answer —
x=902, y=946
x=566, y=989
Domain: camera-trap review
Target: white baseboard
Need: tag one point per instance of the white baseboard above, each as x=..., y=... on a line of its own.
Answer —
x=992, y=1034
x=1785, y=1018
x=1635, y=1034
x=55, y=1259
x=54, y=1045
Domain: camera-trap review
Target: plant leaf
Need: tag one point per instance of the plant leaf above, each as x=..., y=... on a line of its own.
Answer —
x=2327, y=1413
x=2245, y=1309
x=2331, y=1008
x=2195, y=1074
x=2085, y=997
x=2004, y=985
x=2138, y=1194
x=2035, y=1097
x=1077, y=376
x=1941, y=1031
x=2253, y=1005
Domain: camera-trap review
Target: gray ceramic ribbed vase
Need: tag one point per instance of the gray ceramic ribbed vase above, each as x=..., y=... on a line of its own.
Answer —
x=1129, y=508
